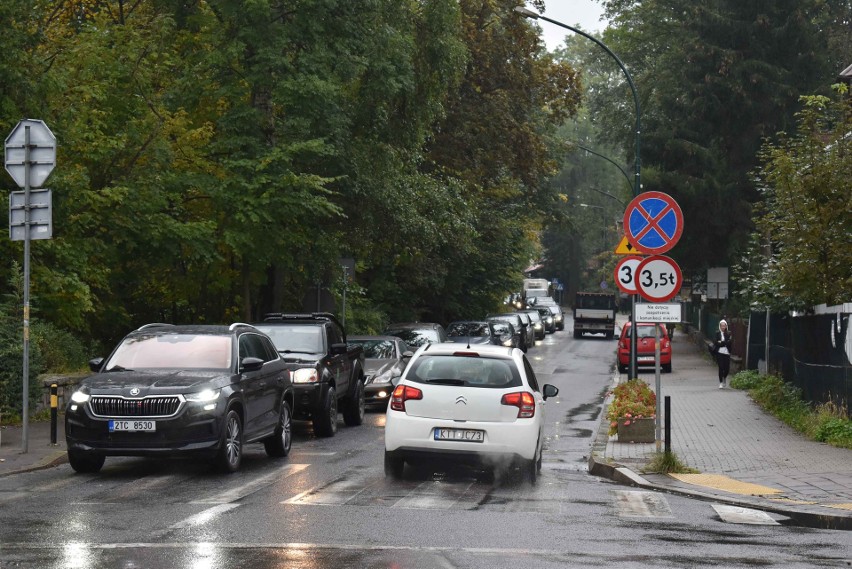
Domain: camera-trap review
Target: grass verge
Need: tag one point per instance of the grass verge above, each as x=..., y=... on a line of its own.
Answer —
x=667, y=462
x=827, y=423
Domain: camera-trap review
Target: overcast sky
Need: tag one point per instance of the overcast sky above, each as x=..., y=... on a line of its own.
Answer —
x=587, y=13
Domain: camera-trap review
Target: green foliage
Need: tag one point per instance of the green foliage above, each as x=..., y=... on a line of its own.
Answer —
x=667, y=462
x=633, y=399
x=826, y=423
x=798, y=256
x=746, y=379
x=12, y=351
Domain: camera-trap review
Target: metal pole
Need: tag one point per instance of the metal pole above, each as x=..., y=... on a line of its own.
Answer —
x=657, y=384
x=637, y=183
x=25, y=434
x=766, y=349
x=54, y=404
x=668, y=424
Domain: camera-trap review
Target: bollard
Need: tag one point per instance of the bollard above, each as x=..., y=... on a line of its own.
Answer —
x=54, y=403
x=668, y=400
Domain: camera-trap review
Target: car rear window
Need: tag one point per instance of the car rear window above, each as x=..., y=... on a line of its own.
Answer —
x=468, y=371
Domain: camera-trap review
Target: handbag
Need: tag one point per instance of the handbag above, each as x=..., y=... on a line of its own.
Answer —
x=712, y=348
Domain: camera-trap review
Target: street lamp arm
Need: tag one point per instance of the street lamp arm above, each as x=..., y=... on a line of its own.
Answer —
x=610, y=160
x=637, y=184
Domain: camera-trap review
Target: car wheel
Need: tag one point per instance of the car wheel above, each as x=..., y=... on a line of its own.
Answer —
x=85, y=462
x=353, y=413
x=325, y=422
x=278, y=445
x=667, y=368
x=230, y=453
x=394, y=466
x=577, y=333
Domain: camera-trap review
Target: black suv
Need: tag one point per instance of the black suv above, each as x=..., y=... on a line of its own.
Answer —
x=173, y=390
x=327, y=373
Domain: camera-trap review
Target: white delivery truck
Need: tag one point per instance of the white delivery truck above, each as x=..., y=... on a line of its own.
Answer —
x=594, y=312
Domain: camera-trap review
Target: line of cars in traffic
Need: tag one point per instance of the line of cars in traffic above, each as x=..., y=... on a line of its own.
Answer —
x=207, y=391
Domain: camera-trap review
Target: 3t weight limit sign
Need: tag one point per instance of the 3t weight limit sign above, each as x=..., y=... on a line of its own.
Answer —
x=658, y=278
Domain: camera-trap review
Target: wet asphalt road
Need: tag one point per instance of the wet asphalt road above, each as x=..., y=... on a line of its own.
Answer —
x=329, y=505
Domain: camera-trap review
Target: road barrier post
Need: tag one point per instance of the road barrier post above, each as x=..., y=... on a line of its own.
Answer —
x=54, y=404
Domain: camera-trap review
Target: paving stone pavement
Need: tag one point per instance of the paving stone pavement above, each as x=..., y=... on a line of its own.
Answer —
x=722, y=431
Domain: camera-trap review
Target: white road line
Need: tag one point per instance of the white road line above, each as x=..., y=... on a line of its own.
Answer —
x=239, y=492
x=202, y=518
x=638, y=504
x=431, y=496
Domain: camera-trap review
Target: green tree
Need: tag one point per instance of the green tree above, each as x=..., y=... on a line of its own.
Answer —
x=800, y=255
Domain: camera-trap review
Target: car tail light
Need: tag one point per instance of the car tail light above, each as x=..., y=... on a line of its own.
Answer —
x=523, y=400
x=403, y=393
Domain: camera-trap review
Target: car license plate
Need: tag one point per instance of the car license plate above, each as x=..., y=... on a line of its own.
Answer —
x=646, y=359
x=132, y=426
x=465, y=435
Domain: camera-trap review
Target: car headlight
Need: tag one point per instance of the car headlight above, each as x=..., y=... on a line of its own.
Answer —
x=537, y=326
x=80, y=396
x=558, y=318
x=507, y=343
x=203, y=396
x=386, y=377
x=305, y=375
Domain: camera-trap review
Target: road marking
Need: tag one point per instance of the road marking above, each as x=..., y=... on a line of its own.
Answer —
x=336, y=493
x=432, y=495
x=738, y=515
x=639, y=504
x=720, y=482
x=203, y=517
x=240, y=492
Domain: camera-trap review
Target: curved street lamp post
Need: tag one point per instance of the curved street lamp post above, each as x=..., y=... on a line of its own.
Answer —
x=637, y=163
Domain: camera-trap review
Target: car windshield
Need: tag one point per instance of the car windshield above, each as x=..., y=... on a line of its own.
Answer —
x=295, y=338
x=514, y=320
x=534, y=316
x=415, y=338
x=500, y=328
x=468, y=371
x=477, y=329
x=173, y=351
x=375, y=349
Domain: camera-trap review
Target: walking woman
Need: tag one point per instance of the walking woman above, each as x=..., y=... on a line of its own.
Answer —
x=722, y=344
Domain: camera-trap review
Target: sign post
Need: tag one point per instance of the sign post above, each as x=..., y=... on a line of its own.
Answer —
x=653, y=223
x=30, y=158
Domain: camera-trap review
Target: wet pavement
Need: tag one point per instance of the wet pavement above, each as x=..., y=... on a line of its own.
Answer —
x=745, y=456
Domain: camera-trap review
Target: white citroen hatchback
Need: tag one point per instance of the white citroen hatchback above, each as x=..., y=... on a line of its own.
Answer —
x=477, y=405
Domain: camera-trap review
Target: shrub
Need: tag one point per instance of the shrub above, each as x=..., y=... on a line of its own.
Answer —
x=746, y=379
x=632, y=399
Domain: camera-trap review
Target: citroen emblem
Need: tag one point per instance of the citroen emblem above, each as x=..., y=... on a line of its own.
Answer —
x=134, y=391
x=461, y=399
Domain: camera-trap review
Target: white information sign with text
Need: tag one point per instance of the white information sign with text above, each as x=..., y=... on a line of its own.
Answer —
x=668, y=312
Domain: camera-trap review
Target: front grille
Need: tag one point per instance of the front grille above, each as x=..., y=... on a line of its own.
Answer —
x=147, y=407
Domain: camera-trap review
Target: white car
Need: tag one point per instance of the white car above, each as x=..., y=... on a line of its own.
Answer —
x=478, y=404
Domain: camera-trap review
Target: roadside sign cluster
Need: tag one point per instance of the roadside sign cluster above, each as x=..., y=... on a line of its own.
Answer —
x=653, y=224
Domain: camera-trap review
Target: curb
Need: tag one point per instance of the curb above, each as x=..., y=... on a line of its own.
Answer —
x=54, y=459
x=801, y=516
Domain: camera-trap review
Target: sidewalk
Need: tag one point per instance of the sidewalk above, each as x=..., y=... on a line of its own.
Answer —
x=40, y=453
x=745, y=457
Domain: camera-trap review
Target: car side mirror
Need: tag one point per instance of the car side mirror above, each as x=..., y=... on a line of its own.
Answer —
x=408, y=354
x=339, y=349
x=550, y=391
x=95, y=364
x=251, y=364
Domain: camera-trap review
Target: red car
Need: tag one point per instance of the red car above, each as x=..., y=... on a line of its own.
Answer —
x=644, y=347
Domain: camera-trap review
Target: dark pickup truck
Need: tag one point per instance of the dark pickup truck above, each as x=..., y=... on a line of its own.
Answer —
x=327, y=373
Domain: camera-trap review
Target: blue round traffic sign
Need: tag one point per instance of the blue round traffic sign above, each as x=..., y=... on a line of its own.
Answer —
x=653, y=222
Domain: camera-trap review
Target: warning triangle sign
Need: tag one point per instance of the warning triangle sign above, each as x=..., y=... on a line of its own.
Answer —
x=625, y=248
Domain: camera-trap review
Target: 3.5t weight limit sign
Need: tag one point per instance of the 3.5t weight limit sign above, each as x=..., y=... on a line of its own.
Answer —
x=658, y=279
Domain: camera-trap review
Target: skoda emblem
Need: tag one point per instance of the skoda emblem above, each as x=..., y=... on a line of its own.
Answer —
x=134, y=391
x=461, y=399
